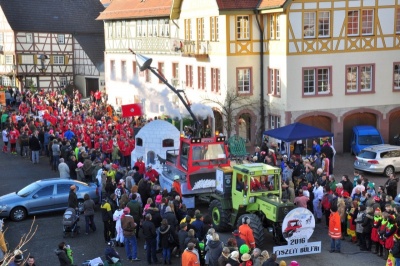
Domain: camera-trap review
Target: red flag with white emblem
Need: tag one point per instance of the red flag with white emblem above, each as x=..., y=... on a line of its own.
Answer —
x=134, y=109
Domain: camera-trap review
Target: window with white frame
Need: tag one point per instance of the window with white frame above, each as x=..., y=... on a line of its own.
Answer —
x=367, y=22
x=118, y=29
x=29, y=37
x=188, y=30
x=398, y=20
x=310, y=24
x=216, y=79
x=141, y=28
x=189, y=76
x=150, y=28
x=9, y=59
x=352, y=23
x=274, y=27
x=31, y=81
x=155, y=28
x=317, y=81
x=109, y=29
x=123, y=28
x=201, y=78
x=124, y=74
x=200, y=29
x=367, y=26
x=161, y=71
x=112, y=69
x=164, y=28
x=58, y=60
x=359, y=78
x=242, y=28
x=274, y=82
x=214, y=29
x=243, y=80
x=7, y=81
x=63, y=81
x=396, y=76
x=274, y=121
x=61, y=38
x=27, y=59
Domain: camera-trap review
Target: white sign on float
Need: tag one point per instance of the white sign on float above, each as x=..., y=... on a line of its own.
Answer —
x=297, y=227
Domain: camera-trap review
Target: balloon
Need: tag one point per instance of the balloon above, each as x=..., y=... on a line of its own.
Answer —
x=244, y=249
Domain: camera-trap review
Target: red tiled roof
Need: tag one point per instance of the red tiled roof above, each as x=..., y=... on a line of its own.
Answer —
x=271, y=3
x=237, y=4
x=119, y=9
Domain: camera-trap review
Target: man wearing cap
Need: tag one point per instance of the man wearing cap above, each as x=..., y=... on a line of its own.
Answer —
x=239, y=240
x=177, y=185
x=129, y=227
x=152, y=174
x=120, y=190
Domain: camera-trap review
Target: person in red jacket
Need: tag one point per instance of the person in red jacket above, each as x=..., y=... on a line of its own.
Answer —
x=335, y=229
x=13, y=137
x=152, y=174
x=246, y=233
x=140, y=165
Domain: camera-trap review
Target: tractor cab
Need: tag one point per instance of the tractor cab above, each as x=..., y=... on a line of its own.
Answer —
x=195, y=163
x=257, y=186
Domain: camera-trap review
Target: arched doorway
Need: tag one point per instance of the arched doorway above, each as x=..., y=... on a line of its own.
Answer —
x=355, y=120
x=244, y=129
x=219, y=121
x=319, y=121
x=394, y=126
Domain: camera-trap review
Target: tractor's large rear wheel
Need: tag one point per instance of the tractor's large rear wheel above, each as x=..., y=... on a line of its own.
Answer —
x=220, y=217
x=258, y=229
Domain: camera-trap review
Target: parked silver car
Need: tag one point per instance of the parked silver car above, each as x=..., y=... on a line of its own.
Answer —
x=42, y=196
x=379, y=159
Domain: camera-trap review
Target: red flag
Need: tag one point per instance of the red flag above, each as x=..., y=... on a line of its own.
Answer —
x=134, y=109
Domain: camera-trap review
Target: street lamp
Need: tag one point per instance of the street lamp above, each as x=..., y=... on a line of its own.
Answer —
x=144, y=63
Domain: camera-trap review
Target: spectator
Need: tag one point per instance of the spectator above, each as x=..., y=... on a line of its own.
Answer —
x=190, y=256
x=129, y=226
x=61, y=253
x=30, y=261
x=335, y=229
x=63, y=169
x=88, y=212
x=150, y=237
x=168, y=239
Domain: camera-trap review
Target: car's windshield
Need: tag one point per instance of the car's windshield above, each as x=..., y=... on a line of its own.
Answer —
x=370, y=140
x=27, y=190
x=367, y=154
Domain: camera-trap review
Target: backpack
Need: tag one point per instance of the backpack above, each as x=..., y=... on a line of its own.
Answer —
x=171, y=239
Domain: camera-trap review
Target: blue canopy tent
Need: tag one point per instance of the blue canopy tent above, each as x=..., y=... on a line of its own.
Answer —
x=297, y=131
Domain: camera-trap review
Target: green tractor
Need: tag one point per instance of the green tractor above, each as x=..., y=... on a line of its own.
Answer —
x=253, y=190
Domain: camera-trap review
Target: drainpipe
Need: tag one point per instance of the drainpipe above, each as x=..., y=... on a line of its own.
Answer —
x=262, y=107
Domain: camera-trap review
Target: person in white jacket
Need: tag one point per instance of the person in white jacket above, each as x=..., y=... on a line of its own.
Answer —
x=120, y=233
x=63, y=168
x=318, y=194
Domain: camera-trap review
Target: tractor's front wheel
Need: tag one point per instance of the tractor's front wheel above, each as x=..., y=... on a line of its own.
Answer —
x=257, y=226
x=220, y=217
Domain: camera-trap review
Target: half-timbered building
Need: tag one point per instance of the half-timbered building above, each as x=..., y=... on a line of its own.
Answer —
x=50, y=44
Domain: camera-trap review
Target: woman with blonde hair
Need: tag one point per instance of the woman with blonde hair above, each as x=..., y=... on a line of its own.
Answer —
x=264, y=255
x=234, y=258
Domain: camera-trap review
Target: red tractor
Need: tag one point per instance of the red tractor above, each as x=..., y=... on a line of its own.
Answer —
x=291, y=228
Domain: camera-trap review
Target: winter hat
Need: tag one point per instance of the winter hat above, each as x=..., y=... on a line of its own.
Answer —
x=126, y=210
x=176, y=177
x=121, y=181
x=114, y=166
x=346, y=194
x=294, y=263
x=371, y=185
x=245, y=257
x=158, y=199
x=378, y=210
x=80, y=165
x=168, y=209
x=236, y=233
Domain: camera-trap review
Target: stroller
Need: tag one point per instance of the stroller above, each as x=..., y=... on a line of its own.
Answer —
x=70, y=222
